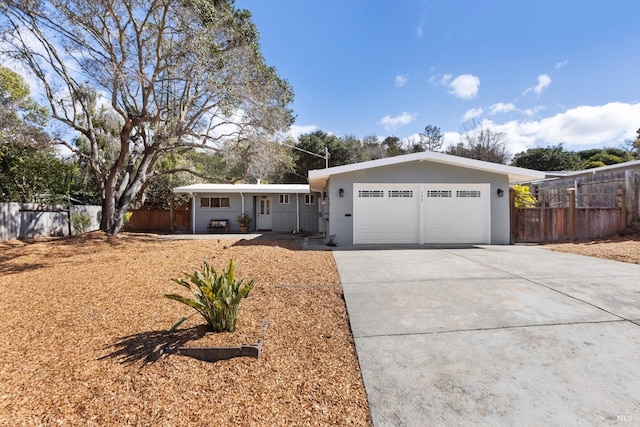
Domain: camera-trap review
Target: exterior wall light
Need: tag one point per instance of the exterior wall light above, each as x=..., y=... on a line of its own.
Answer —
x=341, y=192
x=500, y=192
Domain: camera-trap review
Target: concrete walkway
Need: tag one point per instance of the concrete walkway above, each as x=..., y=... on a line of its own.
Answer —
x=494, y=335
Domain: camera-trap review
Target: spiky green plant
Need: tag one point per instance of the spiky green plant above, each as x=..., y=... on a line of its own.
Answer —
x=215, y=296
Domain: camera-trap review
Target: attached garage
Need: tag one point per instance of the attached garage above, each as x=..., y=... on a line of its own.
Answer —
x=419, y=198
x=421, y=213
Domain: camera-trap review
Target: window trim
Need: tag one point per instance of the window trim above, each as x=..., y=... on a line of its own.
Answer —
x=210, y=202
x=284, y=199
x=310, y=199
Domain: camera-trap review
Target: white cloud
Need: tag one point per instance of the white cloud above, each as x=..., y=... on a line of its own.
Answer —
x=531, y=111
x=464, y=86
x=440, y=79
x=391, y=123
x=295, y=131
x=401, y=80
x=501, y=107
x=562, y=64
x=451, y=138
x=587, y=125
x=543, y=82
x=578, y=128
x=472, y=114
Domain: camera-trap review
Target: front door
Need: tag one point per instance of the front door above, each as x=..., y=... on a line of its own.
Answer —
x=264, y=221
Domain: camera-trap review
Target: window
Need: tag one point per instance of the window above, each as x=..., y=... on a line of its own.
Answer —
x=439, y=193
x=400, y=193
x=468, y=193
x=284, y=199
x=309, y=199
x=370, y=193
x=214, y=202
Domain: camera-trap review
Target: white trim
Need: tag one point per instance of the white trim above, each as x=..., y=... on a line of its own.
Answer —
x=319, y=177
x=193, y=214
x=244, y=188
x=297, y=212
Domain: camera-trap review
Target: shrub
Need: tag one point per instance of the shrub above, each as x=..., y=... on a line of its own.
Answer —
x=80, y=222
x=215, y=296
x=244, y=220
x=524, y=198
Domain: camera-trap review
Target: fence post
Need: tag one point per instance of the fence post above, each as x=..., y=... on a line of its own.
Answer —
x=542, y=217
x=628, y=197
x=571, y=220
x=622, y=206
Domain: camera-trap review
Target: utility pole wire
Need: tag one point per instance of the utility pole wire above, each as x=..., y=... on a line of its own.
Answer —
x=325, y=157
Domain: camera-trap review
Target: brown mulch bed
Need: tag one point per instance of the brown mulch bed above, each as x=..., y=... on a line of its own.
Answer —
x=80, y=317
x=619, y=248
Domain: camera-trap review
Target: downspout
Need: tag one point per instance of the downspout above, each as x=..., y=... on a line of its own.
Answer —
x=242, y=197
x=193, y=214
x=297, y=212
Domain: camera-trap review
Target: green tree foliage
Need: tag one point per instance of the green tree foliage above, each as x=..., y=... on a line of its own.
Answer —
x=139, y=80
x=32, y=174
x=548, y=159
x=30, y=170
x=342, y=150
x=430, y=140
x=598, y=157
x=22, y=120
x=393, y=146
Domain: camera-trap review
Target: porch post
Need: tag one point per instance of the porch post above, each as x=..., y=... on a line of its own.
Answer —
x=297, y=212
x=193, y=214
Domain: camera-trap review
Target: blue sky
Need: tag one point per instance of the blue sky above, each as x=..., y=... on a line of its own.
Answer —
x=543, y=72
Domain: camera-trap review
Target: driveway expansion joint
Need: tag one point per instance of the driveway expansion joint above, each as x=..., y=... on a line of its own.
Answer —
x=495, y=328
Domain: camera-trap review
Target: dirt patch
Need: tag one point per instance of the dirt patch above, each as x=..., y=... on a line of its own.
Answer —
x=81, y=316
x=625, y=249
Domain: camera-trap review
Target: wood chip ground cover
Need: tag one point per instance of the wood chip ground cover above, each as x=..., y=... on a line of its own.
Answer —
x=80, y=317
x=625, y=249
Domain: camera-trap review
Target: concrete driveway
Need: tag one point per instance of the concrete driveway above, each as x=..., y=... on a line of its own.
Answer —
x=494, y=335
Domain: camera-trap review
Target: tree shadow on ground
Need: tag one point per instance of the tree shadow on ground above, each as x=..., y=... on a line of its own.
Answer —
x=292, y=244
x=139, y=347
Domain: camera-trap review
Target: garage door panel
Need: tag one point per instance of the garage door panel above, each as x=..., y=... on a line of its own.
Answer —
x=421, y=213
x=386, y=213
x=457, y=213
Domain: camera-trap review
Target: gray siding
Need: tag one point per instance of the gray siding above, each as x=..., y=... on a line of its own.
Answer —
x=341, y=208
x=283, y=215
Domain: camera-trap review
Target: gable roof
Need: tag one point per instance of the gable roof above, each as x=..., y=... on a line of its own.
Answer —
x=319, y=177
x=244, y=188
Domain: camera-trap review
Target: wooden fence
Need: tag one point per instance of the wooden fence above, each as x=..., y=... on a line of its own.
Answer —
x=555, y=224
x=159, y=221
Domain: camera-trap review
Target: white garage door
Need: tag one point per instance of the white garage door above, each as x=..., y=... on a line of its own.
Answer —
x=386, y=213
x=421, y=213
